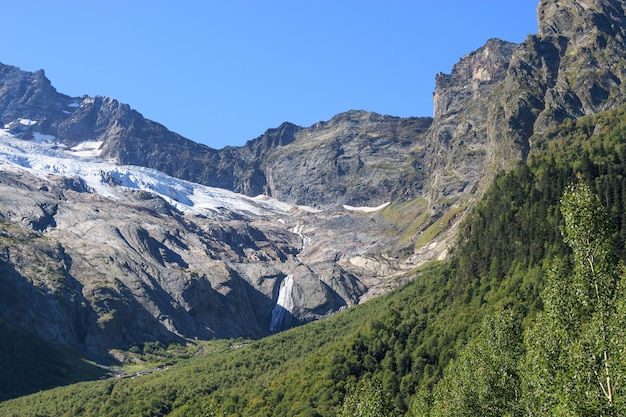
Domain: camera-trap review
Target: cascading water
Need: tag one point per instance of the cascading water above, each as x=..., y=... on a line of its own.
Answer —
x=282, y=314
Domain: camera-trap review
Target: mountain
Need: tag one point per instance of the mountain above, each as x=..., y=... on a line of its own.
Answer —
x=116, y=255
x=116, y=231
x=117, y=252
x=402, y=342
x=485, y=112
x=348, y=160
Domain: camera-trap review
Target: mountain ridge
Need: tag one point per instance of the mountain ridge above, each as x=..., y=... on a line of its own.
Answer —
x=576, y=83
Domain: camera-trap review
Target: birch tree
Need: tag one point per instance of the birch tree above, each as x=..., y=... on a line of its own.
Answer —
x=575, y=364
x=484, y=379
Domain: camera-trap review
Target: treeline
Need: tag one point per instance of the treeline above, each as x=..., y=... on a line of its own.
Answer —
x=435, y=338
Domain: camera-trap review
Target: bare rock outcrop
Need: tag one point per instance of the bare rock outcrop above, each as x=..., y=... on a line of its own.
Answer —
x=97, y=272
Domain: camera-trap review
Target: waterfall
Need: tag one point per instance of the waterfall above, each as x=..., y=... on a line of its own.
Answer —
x=282, y=314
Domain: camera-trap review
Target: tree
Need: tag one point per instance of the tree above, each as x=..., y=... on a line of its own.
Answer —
x=367, y=399
x=484, y=380
x=575, y=364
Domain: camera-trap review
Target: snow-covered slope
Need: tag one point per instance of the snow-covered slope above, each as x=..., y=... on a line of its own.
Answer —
x=44, y=157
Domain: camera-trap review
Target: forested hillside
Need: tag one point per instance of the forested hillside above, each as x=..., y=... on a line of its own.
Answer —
x=491, y=293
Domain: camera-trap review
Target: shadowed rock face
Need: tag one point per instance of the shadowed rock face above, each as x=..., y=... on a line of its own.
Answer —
x=97, y=273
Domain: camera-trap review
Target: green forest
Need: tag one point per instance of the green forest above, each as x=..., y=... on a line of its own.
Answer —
x=525, y=319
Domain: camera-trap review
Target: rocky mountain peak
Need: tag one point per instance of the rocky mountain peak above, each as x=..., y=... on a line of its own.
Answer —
x=573, y=67
x=272, y=138
x=496, y=98
x=487, y=65
x=573, y=19
x=355, y=117
x=28, y=95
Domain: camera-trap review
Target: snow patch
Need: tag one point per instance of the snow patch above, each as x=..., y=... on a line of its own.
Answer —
x=309, y=209
x=41, y=138
x=365, y=209
x=73, y=104
x=45, y=157
x=27, y=122
x=87, y=149
x=272, y=203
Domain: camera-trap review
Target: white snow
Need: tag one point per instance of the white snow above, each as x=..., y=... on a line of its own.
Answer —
x=41, y=138
x=44, y=157
x=272, y=203
x=87, y=149
x=73, y=104
x=365, y=209
x=27, y=122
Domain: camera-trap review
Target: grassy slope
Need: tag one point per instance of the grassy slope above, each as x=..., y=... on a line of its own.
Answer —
x=252, y=368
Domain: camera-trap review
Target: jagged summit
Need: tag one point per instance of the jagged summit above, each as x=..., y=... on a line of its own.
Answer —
x=573, y=67
x=589, y=38
x=470, y=76
x=29, y=95
x=574, y=19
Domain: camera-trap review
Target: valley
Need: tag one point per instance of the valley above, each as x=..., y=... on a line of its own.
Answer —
x=361, y=255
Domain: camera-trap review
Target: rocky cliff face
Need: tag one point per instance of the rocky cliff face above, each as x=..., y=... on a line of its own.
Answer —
x=496, y=98
x=97, y=272
x=573, y=67
x=457, y=150
x=115, y=266
x=357, y=158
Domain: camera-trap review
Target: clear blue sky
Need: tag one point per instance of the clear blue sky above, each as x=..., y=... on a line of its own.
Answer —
x=222, y=72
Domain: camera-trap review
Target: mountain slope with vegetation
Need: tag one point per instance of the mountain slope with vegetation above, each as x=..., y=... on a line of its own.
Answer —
x=406, y=339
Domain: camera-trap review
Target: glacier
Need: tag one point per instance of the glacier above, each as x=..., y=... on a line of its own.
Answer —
x=45, y=158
